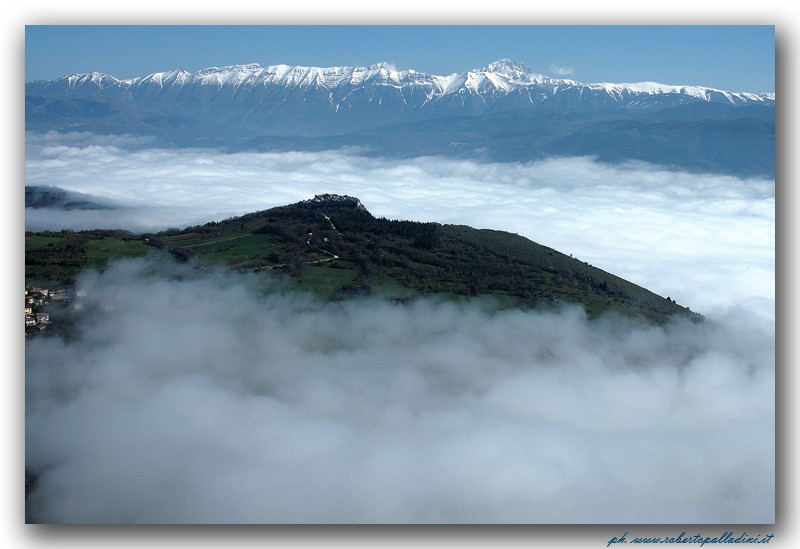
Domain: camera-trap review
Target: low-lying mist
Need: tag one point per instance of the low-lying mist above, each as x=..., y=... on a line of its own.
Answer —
x=188, y=395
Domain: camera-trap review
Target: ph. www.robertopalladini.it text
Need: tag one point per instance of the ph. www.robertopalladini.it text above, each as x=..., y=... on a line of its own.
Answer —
x=727, y=537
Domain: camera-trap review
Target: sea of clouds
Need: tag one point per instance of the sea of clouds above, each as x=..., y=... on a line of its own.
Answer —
x=704, y=240
x=188, y=395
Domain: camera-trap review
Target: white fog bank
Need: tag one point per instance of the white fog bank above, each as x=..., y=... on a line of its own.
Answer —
x=186, y=398
x=189, y=398
x=707, y=241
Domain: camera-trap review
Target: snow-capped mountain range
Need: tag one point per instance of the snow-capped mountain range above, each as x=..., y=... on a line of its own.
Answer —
x=285, y=100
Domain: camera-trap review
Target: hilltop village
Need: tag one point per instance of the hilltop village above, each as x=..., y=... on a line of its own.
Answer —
x=37, y=298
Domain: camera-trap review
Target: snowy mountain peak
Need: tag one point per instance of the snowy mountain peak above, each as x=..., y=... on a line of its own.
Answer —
x=89, y=77
x=504, y=74
x=341, y=99
x=250, y=67
x=507, y=67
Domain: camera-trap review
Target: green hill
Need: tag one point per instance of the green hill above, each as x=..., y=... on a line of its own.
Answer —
x=332, y=246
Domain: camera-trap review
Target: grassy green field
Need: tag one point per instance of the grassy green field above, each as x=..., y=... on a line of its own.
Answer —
x=326, y=281
x=41, y=242
x=100, y=250
x=61, y=256
x=240, y=247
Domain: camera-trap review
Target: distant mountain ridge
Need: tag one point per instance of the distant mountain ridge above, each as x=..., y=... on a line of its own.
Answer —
x=283, y=100
x=56, y=198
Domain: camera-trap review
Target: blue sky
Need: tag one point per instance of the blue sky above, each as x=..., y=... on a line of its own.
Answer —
x=730, y=57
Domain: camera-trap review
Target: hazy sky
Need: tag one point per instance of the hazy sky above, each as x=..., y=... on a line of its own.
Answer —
x=734, y=58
